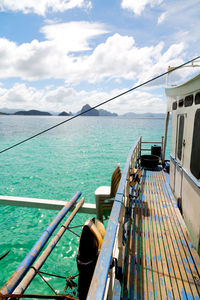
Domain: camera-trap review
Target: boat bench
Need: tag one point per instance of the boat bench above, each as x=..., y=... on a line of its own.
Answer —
x=160, y=261
x=104, y=195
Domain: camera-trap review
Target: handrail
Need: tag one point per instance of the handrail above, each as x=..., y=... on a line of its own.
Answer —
x=188, y=174
x=151, y=142
x=100, y=276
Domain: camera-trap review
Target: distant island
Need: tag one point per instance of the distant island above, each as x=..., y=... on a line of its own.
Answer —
x=95, y=112
x=32, y=113
x=105, y=113
x=64, y=114
x=145, y=115
x=86, y=110
x=4, y=114
x=92, y=112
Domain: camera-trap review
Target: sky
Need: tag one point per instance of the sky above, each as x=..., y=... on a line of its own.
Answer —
x=58, y=55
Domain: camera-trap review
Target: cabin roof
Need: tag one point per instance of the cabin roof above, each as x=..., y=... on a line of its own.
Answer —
x=184, y=89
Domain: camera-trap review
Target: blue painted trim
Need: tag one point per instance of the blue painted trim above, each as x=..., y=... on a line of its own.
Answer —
x=176, y=161
x=192, y=178
x=98, y=284
x=15, y=279
x=117, y=290
x=189, y=175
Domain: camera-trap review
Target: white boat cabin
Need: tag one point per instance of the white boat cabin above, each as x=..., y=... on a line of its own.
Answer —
x=183, y=102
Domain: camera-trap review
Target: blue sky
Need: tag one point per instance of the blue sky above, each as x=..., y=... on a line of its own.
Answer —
x=58, y=55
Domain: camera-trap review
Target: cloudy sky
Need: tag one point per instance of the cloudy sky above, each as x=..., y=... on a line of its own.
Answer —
x=58, y=55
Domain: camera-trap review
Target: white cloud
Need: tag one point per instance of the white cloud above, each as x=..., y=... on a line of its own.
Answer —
x=68, y=53
x=138, y=6
x=162, y=18
x=62, y=98
x=39, y=60
x=19, y=96
x=180, y=14
x=41, y=7
x=73, y=36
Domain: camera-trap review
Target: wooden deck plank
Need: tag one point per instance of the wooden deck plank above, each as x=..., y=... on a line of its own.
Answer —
x=144, y=215
x=160, y=262
x=138, y=265
x=185, y=258
x=188, y=280
x=178, y=253
x=155, y=251
x=164, y=271
x=171, y=288
x=157, y=242
x=174, y=250
x=147, y=272
x=193, y=253
x=142, y=218
x=171, y=241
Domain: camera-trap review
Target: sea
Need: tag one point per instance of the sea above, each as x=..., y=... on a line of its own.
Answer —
x=79, y=155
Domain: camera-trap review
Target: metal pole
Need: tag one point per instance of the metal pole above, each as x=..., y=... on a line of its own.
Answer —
x=165, y=136
x=39, y=263
x=18, y=275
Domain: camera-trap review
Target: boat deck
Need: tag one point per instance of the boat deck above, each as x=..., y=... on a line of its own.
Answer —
x=159, y=261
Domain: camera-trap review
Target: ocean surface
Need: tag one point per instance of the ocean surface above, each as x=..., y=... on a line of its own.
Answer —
x=77, y=156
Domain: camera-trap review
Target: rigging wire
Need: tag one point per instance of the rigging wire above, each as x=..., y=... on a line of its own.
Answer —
x=98, y=105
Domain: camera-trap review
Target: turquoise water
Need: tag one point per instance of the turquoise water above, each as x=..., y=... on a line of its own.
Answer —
x=80, y=155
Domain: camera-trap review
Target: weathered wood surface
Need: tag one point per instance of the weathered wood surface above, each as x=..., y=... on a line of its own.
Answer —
x=160, y=261
x=87, y=208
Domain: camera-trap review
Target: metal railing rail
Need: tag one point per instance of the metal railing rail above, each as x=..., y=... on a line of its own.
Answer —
x=152, y=143
x=101, y=283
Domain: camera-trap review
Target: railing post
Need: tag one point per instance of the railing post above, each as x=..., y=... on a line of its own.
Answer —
x=165, y=136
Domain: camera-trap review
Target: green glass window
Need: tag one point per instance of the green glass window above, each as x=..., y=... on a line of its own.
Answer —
x=197, y=98
x=195, y=154
x=188, y=100
x=174, y=105
x=180, y=137
x=180, y=103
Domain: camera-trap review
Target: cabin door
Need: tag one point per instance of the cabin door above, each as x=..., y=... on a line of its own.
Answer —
x=180, y=147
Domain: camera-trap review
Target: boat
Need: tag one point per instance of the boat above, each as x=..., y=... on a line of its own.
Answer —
x=151, y=246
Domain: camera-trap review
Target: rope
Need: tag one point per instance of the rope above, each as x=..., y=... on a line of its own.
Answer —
x=57, y=276
x=98, y=105
x=37, y=271
x=114, y=200
x=71, y=227
x=70, y=230
x=4, y=255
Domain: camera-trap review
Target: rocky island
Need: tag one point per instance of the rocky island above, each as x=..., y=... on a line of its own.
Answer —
x=32, y=113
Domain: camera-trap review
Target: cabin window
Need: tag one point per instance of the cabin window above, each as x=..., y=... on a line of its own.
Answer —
x=180, y=137
x=197, y=98
x=195, y=154
x=174, y=105
x=188, y=100
x=180, y=103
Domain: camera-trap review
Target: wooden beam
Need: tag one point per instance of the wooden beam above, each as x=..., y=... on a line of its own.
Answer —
x=87, y=208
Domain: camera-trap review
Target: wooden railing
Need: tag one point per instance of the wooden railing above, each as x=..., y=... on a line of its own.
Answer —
x=104, y=277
